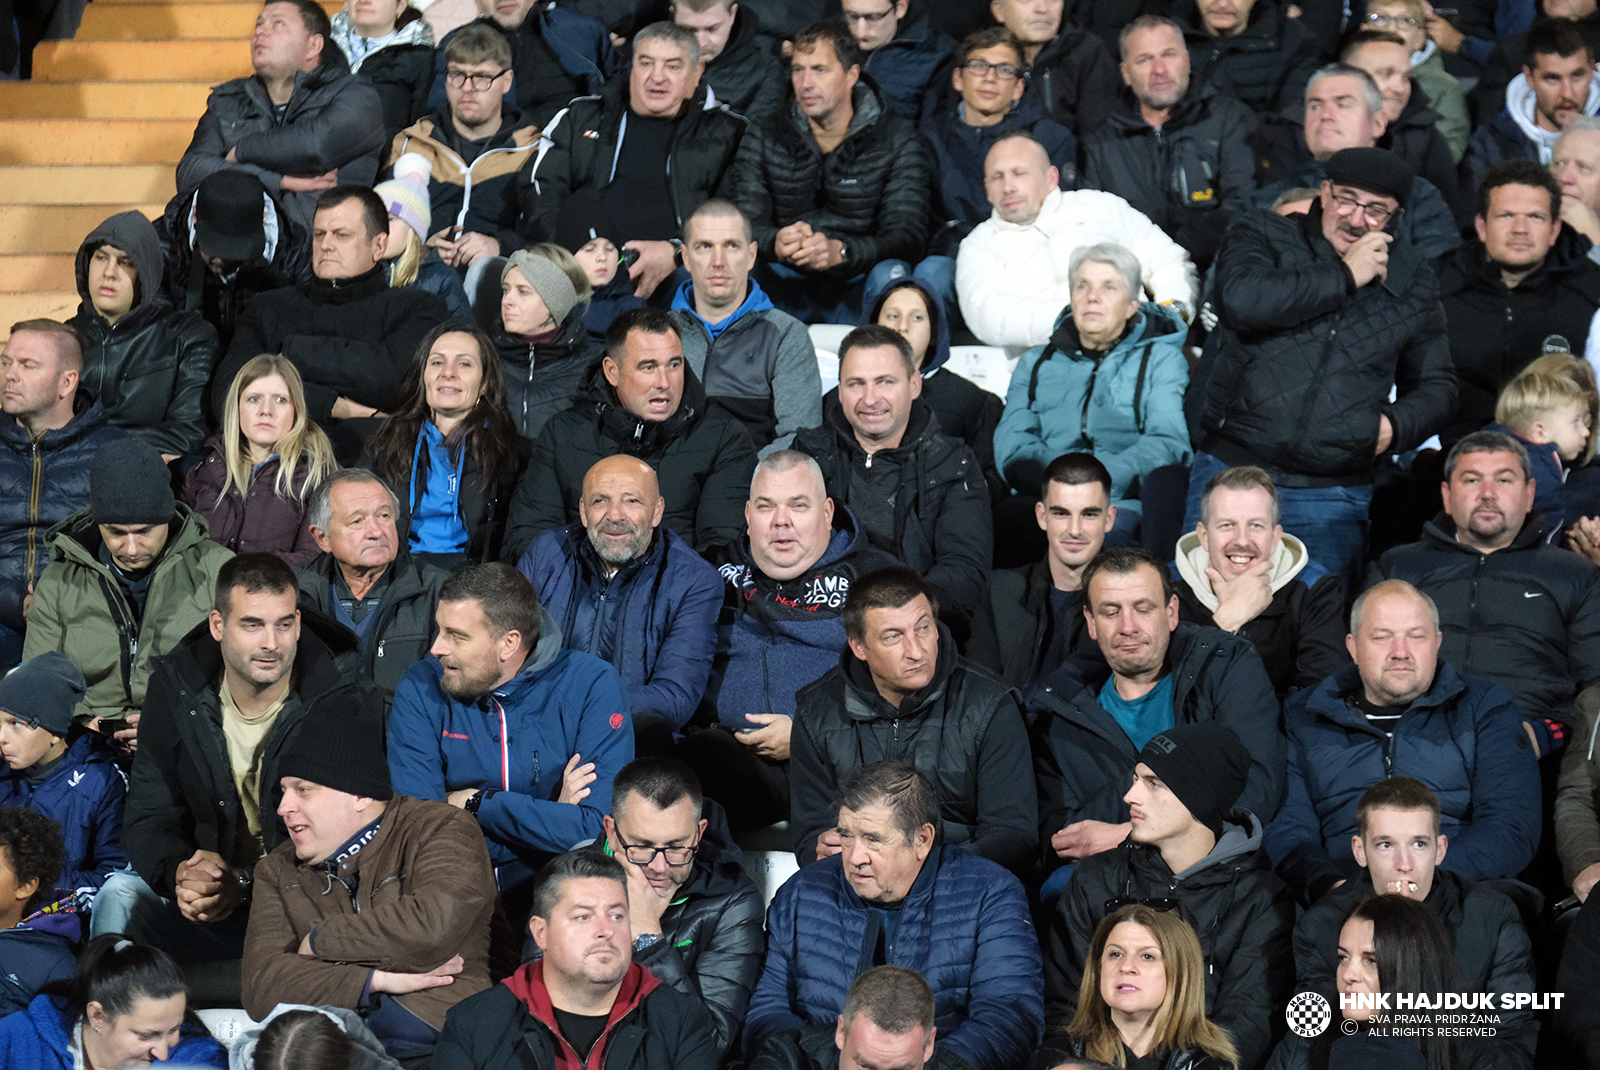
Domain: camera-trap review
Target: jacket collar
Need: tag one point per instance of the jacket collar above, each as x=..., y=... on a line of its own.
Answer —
x=343, y=291
x=868, y=705
x=528, y=985
x=1441, y=533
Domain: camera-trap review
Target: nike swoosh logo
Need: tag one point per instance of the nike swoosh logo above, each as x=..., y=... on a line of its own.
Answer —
x=1533, y=594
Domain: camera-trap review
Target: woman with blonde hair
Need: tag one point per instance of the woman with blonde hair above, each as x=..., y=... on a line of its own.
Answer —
x=254, y=482
x=1142, y=1002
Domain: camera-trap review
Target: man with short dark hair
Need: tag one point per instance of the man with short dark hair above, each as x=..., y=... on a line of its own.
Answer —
x=627, y=589
x=1073, y=76
x=585, y=1002
x=51, y=429
x=1192, y=844
x=348, y=334
x=643, y=401
x=1412, y=129
x=887, y=1019
x=903, y=51
x=918, y=493
x=365, y=578
x=1398, y=845
x=507, y=724
x=1252, y=50
x=301, y=123
x=896, y=891
x=740, y=69
x=903, y=693
x=1238, y=571
x=1036, y=616
x=1525, y=277
x=1093, y=715
x=204, y=792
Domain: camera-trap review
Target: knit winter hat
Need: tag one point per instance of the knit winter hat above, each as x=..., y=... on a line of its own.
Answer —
x=406, y=194
x=130, y=484
x=1204, y=765
x=344, y=753
x=43, y=692
x=584, y=217
x=548, y=281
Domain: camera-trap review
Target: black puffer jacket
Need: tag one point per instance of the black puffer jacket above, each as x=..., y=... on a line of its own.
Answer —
x=544, y=378
x=871, y=191
x=1496, y=332
x=700, y=154
x=1493, y=953
x=1266, y=65
x=702, y=457
x=43, y=481
x=1526, y=617
x=964, y=731
x=181, y=794
x=1307, y=360
x=746, y=76
x=1076, y=79
x=1190, y=176
x=1083, y=760
x=404, y=630
x=943, y=527
x=1243, y=915
x=148, y=370
x=1182, y=1059
x=333, y=122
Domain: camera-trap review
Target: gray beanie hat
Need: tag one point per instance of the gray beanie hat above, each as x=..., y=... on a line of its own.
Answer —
x=130, y=484
x=43, y=692
x=548, y=281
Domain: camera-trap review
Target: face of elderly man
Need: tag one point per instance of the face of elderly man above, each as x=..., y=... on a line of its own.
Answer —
x=621, y=509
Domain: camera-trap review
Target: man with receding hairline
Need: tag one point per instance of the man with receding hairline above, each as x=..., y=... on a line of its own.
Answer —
x=886, y=1024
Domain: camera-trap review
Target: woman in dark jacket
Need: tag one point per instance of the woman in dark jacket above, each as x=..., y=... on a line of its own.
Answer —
x=450, y=451
x=390, y=47
x=255, y=484
x=545, y=349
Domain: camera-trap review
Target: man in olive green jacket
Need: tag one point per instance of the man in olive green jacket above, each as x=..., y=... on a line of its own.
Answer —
x=128, y=577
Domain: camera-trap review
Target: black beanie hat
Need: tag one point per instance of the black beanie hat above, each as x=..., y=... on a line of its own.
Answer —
x=1204, y=765
x=130, y=484
x=43, y=692
x=1378, y=170
x=584, y=218
x=344, y=753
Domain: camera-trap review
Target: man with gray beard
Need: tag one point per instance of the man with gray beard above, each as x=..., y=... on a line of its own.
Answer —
x=627, y=589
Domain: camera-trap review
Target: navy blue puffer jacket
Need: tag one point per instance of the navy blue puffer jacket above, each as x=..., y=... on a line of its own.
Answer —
x=984, y=964
x=86, y=794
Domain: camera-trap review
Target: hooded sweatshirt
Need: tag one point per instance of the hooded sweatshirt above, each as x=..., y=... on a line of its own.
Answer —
x=1520, y=105
x=366, y=1052
x=528, y=985
x=1288, y=561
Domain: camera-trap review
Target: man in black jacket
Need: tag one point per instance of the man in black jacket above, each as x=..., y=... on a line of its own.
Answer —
x=740, y=69
x=834, y=184
x=1399, y=848
x=1071, y=73
x=918, y=493
x=903, y=51
x=653, y=148
x=1525, y=277
x=887, y=1019
x=1191, y=846
x=901, y=693
x=348, y=334
x=1238, y=571
x=146, y=363
x=1174, y=148
x=1250, y=49
x=644, y=402
x=204, y=792
x=1336, y=283
x=301, y=124
x=1515, y=609
x=1093, y=715
x=585, y=998
x=365, y=580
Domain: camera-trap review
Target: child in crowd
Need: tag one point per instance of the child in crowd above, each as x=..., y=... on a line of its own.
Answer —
x=74, y=781
x=35, y=945
x=1551, y=408
x=587, y=231
x=411, y=262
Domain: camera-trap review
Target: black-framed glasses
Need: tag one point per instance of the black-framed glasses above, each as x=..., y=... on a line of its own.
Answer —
x=1164, y=905
x=480, y=82
x=980, y=69
x=1377, y=213
x=870, y=20
x=642, y=854
x=1386, y=22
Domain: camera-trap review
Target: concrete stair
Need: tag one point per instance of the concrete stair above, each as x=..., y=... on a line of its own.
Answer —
x=99, y=131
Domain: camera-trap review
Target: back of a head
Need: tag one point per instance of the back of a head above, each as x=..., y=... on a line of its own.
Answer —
x=118, y=974
x=303, y=1040
x=895, y=999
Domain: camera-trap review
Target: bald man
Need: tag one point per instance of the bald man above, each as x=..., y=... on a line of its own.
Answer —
x=628, y=590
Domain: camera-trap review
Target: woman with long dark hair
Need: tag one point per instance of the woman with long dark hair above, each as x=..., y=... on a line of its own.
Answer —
x=450, y=451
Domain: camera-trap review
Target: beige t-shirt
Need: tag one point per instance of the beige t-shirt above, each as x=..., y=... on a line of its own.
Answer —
x=247, y=741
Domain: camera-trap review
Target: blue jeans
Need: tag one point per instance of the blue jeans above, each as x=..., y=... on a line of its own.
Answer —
x=937, y=273
x=813, y=297
x=1331, y=521
x=126, y=904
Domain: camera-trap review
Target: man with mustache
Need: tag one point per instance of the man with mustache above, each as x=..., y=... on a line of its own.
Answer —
x=1516, y=609
x=626, y=588
x=645, y=402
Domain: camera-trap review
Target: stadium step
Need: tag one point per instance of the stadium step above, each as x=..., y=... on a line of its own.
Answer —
x=104, y=100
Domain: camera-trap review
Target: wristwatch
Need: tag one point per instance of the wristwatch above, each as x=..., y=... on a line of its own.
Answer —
x=246, y=879
x=475, y=801
x=645, y=940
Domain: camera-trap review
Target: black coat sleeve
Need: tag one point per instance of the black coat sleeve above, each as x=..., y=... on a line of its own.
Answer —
x=1238, y=693
x=538, y=505
x=157, y=827
x=366, y=368
x=725, y=967
x=1008, y=808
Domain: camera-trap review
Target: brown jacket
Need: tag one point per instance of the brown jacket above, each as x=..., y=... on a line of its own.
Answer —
x=426, y=893
x=1577, y=810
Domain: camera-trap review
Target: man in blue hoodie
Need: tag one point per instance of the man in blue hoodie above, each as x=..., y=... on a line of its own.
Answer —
x=505, y=723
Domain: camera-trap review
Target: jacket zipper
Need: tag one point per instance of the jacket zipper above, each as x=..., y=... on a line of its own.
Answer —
x=33, y=512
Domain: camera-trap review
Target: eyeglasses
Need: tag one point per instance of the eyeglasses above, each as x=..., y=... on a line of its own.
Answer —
x=1163, y=905
x=642, y=855
x=870, y=20
x=1378, y=214
x=981, y=68
x=1385, y=22
x=480, y=82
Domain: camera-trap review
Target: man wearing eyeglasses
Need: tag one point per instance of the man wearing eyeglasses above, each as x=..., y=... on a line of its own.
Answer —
x=903, y=55
x=477, y=145
x=1407, y=19
x=1320, y=315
